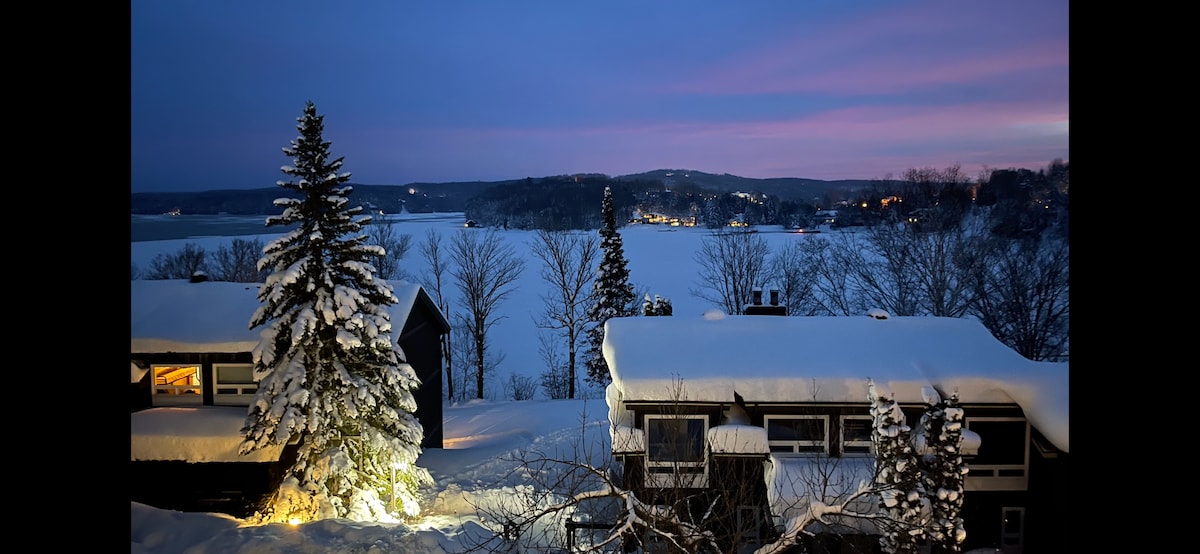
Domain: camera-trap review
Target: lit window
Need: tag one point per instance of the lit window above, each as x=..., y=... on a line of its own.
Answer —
x=234, y=384
x=675, y=450
x=798, y=434
x=856, y=435
x=176, y=384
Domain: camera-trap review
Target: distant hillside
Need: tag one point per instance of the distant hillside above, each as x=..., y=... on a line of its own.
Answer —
x=454, y=196
x=787, y=188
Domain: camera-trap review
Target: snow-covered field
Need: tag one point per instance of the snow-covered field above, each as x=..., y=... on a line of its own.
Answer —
x=661, y=261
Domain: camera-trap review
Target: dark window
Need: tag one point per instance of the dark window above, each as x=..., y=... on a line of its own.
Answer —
x=675, y=439
x=797, y=434
x=1001, y=442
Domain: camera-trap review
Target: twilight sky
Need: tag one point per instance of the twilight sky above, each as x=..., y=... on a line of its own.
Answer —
x=479, y=90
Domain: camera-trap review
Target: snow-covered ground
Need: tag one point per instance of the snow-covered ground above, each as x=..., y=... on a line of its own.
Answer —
x=478, y=467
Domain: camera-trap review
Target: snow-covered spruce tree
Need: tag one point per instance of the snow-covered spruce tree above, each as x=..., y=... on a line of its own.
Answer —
x=943, y=470
x=612, y=293
x=897, y=476
x=657, y=306
x=663, y=306
x=330, y=378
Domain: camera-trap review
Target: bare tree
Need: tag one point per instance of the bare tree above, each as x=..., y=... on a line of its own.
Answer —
x=832, y=287
x=188, y=261
x=520, y=387
x=554, y=377
x=395, y=247
x=732, y=263
x=794, y=268
x=435, y=259
x=462, y=349
x=238, y=262
x=879, y=268
x=943, y=261
x=567, y=261
x=1022, y=290
x=485, y=269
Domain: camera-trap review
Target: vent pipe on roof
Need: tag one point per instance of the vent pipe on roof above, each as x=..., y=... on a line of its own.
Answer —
x=756, y=296
x=774, y=297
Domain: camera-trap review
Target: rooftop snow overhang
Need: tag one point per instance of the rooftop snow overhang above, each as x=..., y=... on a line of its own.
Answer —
x=193, y=434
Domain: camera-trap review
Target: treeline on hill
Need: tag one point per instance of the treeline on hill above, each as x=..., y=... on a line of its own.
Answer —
x=682, y=189
x=1027, y=201
x=1024, y=202
x=569, y=201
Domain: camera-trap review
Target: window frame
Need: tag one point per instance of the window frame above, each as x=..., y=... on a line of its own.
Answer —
x=843, y=442
x=985, y=476
x=243, y=393
x=796, y=445
x=160, y=396
x=676, y=473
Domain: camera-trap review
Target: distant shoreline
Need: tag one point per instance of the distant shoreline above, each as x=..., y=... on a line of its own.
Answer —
x=169, y=227
x=144, y=228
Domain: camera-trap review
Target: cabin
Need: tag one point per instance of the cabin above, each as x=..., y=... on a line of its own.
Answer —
x=191, y=381
x=747, y=419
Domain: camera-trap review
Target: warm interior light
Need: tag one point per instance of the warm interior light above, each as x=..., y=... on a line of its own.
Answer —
x=294, y=521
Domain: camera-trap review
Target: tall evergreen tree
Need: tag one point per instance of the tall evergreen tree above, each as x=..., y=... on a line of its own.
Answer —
x=330, y=377
x=897, y=476
x=612, y=293
x=943, y=470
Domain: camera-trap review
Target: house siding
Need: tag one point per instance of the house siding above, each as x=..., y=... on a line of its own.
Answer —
x=421, y=342
x=1043, y=500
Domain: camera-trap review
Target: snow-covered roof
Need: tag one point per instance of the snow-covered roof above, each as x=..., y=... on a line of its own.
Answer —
x=213, y=316
x=194, y=433
x=830, y=359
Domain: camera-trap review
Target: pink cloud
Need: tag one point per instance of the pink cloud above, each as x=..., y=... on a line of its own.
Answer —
x=903, y=48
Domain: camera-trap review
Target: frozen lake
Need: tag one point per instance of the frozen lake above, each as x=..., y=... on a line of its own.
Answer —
x=171, y=227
